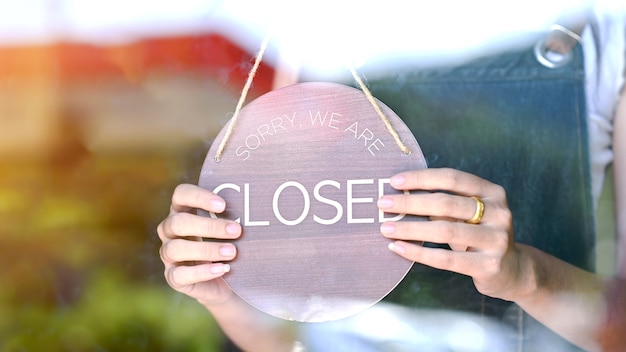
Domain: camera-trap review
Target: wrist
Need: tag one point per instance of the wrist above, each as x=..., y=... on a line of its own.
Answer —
x=531, y=274
x=211, y=304
x=223, y=295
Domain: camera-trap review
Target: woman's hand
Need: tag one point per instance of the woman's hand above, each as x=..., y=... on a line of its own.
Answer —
x=485, y=251
x=193, y=266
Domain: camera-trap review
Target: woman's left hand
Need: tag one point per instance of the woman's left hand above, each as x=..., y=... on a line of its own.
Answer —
x=485, y=250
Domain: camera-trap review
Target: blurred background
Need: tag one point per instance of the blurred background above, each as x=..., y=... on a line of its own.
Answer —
x=104, y=107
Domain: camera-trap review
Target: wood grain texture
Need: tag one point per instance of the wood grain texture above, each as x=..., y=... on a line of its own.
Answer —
x=301, y=172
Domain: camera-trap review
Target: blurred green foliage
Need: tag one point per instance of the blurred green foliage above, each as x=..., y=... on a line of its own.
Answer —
x=113, y=314
x=79, y=262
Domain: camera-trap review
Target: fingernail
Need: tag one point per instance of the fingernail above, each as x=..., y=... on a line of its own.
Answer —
x=233, y=229
x=227, y=251
x=218, y=205
x=397, y=180
x=397, y=248
x=220, y=268
x=385, y=202
x=387, y=228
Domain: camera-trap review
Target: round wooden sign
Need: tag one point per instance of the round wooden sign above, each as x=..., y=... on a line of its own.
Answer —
x=302, y=172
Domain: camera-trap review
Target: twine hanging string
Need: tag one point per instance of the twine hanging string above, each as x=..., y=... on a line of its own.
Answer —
x=242, y=97
x=248, y=84
x=383, y=118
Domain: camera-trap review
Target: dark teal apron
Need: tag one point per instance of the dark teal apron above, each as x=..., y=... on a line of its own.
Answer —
x=517, y=123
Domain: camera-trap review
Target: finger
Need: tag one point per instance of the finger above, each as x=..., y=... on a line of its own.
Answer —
x=446, y=232
x=445, y=179
x=179, y=276
x=187, y=197
x=430, y=204
x=179, y=250
x=189, y=225
x=465, y=263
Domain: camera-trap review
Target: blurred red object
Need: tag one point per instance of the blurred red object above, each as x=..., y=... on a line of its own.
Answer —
x=612, y=336
x=211, y=54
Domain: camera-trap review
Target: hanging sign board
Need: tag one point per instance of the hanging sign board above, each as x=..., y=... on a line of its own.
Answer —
x=302, y=171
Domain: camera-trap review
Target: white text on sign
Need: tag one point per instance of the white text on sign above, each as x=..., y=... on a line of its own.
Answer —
x=376, y=186
x=287, y=122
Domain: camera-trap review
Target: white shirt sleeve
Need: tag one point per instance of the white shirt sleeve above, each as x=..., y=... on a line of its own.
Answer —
x=604, y=70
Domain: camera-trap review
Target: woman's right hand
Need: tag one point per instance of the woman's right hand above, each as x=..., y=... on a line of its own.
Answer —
x=194, y=265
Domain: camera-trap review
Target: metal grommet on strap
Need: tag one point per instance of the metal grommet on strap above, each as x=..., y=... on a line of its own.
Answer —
x=565, y=39
x=567, y=32
x=550, y=59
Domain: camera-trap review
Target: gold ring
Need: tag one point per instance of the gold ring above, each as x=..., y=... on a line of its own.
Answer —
x=480, y=210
